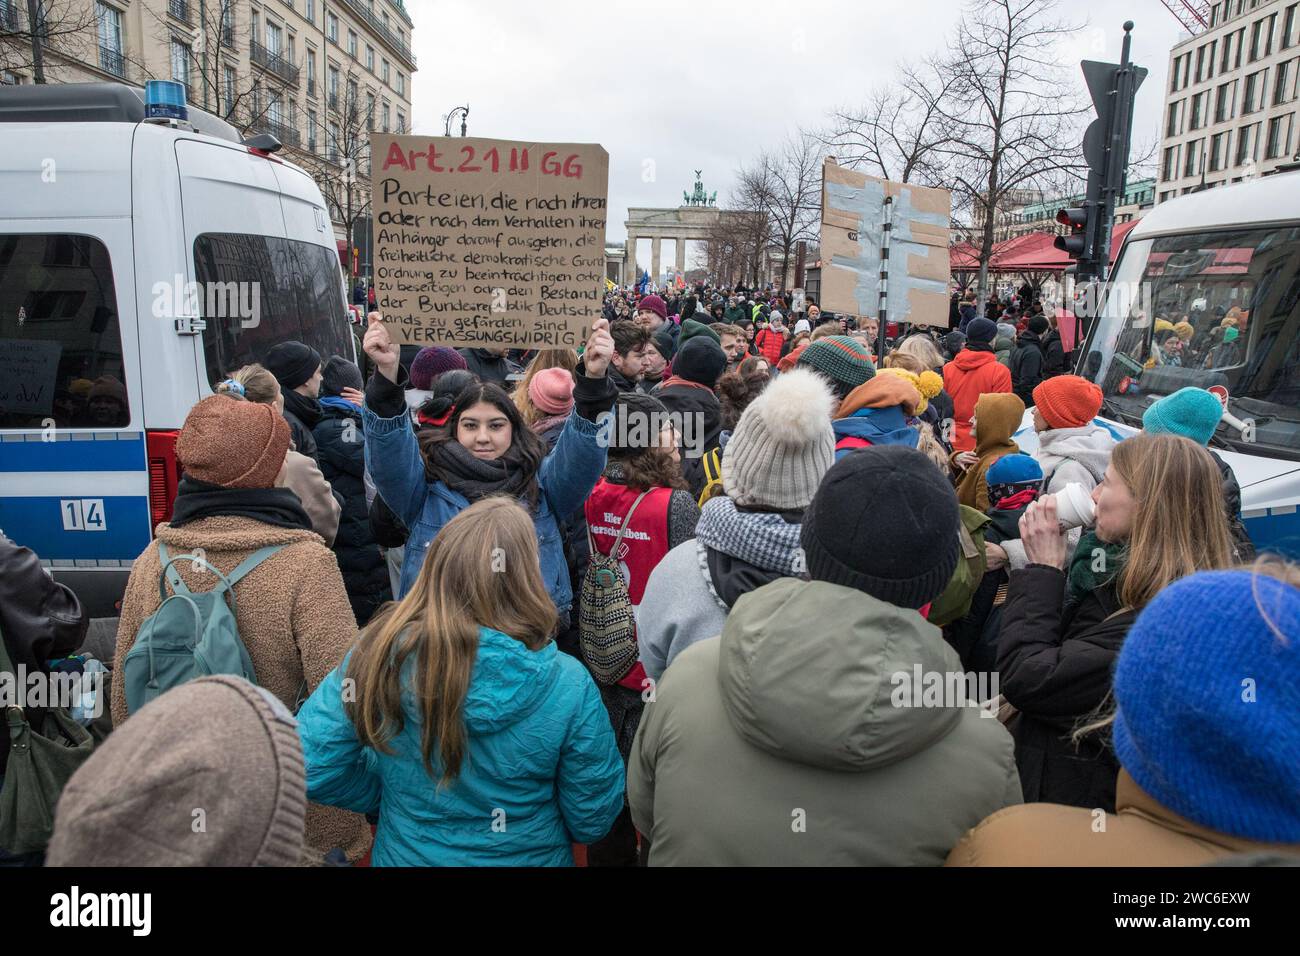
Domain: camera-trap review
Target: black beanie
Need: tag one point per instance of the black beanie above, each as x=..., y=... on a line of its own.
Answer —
x=701, y=360
x=884, y=521
x=981, y=330
x=339, y=374
x=292, y=363
x=662, y=342
x=1038, y=324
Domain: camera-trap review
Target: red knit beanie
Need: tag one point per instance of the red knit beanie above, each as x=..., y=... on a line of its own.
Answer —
x=1068, y=401
x=551, y=390
x=232, y=443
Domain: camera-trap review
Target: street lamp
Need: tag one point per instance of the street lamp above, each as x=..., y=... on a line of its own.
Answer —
x=464, y=116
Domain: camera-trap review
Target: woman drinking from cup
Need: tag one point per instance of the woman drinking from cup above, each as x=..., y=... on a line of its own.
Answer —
x=1158, y=518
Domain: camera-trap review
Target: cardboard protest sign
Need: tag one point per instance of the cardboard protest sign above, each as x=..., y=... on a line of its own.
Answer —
x=28, y=369
x=488, y=242
x=853, y=214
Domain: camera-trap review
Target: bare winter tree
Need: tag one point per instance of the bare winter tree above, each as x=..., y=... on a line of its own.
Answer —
x=897, y=133
x=343, y=169
x=785, y=185
x=35, y=33
x=1013, y=120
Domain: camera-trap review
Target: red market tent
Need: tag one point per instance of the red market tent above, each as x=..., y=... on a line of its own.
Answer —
x=1032, y=252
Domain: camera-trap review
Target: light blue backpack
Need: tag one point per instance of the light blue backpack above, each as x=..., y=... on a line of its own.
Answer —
x=192, y=634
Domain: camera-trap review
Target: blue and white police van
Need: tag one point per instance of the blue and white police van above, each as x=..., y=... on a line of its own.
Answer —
x=117, y=226
x=1224, y=258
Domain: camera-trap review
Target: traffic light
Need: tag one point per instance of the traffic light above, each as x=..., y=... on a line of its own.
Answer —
x=1075, y=242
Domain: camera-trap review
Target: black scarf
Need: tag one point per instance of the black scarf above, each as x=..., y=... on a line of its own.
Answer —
x=201, y=499
x=306, y=410
x=452, y=463
x=979, y=346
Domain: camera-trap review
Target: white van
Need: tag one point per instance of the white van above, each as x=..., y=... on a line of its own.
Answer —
x=1225, y=257
x=109, y=223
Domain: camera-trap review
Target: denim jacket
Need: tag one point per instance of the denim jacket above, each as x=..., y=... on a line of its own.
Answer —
x=564, y=481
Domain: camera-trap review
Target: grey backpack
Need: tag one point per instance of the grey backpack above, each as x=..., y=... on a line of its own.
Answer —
x=192, y=634
x=606, y=620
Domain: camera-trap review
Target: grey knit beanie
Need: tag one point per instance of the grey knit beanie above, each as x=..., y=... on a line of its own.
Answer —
x=209, y=774
x=782, y=445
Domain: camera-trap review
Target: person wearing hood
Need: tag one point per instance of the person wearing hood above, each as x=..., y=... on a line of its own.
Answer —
x=764, y=745
x=291, y=610
x=966, y=311
x=1072, y=449
x=492, y=365
x=340, y=443
x=996, y=418
x=749, y=535
x=1203, y=776
x=877, y=413
x=460, y=723
x=1195, y=413
x=656, y=361
x=239, y=759
x=429, y=363
x=771, y=341
x=1056, y=362
x=1158, y=519
x=297, y=367
x=689, y=391
x=1028, y=360
x=974, y=372
x=1005, y=343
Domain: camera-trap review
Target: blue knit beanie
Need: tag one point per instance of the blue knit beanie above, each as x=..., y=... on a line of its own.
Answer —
x=1014, y=470
x=1191, y=412
x=1208, y=694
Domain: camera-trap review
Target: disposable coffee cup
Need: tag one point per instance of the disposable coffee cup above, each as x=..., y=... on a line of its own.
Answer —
x=1074, y=507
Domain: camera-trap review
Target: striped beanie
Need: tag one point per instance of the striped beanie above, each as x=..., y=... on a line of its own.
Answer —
x=842, y=359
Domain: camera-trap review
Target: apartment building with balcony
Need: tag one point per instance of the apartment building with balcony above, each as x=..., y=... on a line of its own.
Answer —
x=1231, y=98
x=319, y=75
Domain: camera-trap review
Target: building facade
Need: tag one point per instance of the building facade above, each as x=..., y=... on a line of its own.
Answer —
x=319, y=75
x=1231, y=98
x=1139, y=196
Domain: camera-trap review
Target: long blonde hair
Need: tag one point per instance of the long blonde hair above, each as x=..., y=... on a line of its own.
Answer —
x=481, y=570
x=1264, y=566
x=566, y=359
x=1180, y=524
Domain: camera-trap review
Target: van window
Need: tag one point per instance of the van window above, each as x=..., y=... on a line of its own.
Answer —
x=60, y=344
x=255, y=292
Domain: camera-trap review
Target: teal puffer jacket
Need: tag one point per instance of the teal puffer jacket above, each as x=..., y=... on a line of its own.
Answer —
x=541, y=772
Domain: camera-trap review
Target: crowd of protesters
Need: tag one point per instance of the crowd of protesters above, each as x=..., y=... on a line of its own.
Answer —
x=679, y=598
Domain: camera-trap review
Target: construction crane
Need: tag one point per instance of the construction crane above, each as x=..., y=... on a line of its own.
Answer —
x=1194, y=15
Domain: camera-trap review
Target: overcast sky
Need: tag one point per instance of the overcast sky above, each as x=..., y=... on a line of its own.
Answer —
x=704, y=84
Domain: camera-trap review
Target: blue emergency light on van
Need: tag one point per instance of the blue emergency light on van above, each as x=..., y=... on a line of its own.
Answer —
x=165, y=99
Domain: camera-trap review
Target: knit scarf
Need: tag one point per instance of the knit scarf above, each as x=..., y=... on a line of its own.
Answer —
x=201, y=499
x=1081, y=579
x=454, y=465
x=762, y=539
x=979, y=346
x=678, y=380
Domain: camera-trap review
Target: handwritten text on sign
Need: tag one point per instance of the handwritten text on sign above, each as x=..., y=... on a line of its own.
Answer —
x=489, y=242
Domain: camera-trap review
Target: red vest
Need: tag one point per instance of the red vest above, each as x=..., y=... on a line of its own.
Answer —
x=644, y=543
x=770, y=345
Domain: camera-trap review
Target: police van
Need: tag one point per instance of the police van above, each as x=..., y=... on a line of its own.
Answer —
x=1227, y=262
x=146, y=250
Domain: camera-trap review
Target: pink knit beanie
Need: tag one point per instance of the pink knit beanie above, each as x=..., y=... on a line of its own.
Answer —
x=551, y=390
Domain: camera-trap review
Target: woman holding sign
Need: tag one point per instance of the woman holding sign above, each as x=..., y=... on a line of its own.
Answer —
x=487, y=450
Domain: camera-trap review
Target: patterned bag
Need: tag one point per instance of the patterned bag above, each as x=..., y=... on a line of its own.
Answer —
x=606, y=620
